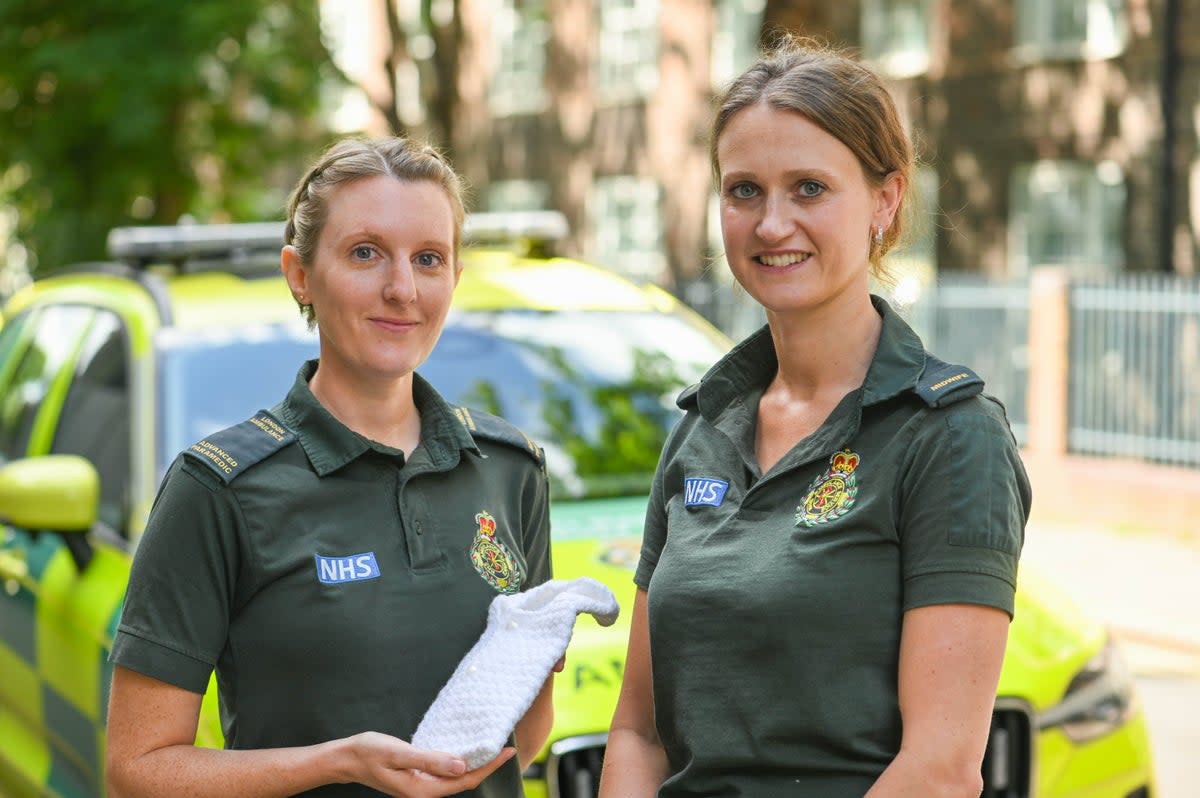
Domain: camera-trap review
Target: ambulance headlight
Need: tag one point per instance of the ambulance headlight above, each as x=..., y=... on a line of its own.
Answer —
x=1099, y=699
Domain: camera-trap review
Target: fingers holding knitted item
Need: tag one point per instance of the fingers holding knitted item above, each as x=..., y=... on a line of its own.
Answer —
x=392, y=766
x=557, y=600
x=417, y=783
x=494, y=685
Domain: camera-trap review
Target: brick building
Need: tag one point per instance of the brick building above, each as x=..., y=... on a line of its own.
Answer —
x=1041, y=123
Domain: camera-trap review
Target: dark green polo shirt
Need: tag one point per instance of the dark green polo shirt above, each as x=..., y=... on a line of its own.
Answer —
x=333, y=586
x=775, y=601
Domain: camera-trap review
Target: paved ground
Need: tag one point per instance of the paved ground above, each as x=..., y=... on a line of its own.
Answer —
x=1172, y=707
x=1147, y=588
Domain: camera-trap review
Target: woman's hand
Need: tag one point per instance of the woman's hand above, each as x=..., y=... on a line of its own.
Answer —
x=152, y=726
x=390, y=765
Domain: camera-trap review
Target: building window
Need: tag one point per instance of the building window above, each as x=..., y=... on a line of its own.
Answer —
x=626, y=231
x=1067, y=213
x=520, y=33
x=895, y=35
x=627, y=53
x=1070, y=29
x=516, y=195
x=735, y=38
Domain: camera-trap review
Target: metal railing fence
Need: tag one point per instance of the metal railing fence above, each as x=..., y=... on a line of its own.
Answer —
x=983, y=325
x=1134, y=375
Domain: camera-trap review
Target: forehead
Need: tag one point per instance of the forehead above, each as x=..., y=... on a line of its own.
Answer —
x=390, y=207
x=408, y=194
x=761, y=136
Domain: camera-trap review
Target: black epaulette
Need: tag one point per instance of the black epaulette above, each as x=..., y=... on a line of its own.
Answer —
x=494, y=428
x=234, y=449
x=943, y=383
x=687, y=398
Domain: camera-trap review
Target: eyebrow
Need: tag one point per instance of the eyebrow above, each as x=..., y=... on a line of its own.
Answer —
x=375, y=234
x=813, y=173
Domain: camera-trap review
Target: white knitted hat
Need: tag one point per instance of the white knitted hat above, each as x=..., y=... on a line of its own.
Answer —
x=495, y=684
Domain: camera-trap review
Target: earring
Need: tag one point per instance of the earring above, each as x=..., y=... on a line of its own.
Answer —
x=877, y=237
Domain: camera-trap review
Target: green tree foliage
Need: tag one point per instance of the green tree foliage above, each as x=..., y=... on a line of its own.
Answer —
x=139, y=111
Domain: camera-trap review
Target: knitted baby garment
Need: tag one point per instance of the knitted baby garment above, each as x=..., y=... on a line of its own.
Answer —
x=497, y=681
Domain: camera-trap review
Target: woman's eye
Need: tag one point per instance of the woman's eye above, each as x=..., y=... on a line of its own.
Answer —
x=742, y=191
x=811, y=188
x=362, y=252
x=429, y=259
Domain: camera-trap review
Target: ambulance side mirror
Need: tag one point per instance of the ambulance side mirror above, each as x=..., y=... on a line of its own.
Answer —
x=54, y=493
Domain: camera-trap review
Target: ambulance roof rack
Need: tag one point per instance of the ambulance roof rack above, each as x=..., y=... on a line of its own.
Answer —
x=253, y=246
x=237, y=247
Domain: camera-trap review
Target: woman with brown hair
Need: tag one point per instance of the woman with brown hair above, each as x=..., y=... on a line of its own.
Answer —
x=830, y=549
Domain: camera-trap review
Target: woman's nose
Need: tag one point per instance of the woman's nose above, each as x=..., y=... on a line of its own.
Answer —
x=400, y=287
x=776, y=222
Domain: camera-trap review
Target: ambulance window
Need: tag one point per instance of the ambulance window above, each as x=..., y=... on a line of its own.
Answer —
x=29, y=394
x=95, y=416
x=12, y=343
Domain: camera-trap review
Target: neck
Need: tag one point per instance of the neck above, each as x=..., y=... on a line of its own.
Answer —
x=826, y=349
x=381, y=411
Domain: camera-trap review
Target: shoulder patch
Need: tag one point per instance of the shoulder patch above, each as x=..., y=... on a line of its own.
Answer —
x=943, y=383
x=687, y=397
x=234, y=449
x=494, y=428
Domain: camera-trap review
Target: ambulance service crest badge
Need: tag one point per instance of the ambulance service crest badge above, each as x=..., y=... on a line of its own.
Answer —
x=492, y=559
x=832, y=494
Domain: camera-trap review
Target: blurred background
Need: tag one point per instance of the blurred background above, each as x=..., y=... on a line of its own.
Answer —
x=1055, y=248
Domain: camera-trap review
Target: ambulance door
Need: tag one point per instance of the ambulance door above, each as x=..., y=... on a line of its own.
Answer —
x=38, y=355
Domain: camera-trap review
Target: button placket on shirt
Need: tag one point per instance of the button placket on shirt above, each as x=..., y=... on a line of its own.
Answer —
x=413, y=510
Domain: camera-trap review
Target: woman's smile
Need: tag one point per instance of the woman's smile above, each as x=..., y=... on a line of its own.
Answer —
x=783, y=260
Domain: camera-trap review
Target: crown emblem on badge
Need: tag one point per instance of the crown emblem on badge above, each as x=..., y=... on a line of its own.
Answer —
x=844, y=462
x=832, y=494
x=491, y=558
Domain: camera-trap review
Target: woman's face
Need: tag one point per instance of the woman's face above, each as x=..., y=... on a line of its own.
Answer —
x=796, y=210
x=382, y=277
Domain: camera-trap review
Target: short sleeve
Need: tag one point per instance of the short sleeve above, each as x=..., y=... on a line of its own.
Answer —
x=175, y=619
x=537, y=532
x=965, y=500
x=654, y=530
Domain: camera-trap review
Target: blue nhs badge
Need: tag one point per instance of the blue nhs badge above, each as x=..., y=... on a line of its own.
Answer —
x=704, y=490
x=354, y=568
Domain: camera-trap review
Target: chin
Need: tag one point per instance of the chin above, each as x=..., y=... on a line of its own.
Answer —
x=392, y=368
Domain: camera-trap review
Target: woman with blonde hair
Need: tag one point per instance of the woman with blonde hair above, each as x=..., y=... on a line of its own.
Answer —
x=325, y=557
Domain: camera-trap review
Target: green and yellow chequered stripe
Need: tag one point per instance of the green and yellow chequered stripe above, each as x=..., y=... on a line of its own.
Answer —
x=53, y=655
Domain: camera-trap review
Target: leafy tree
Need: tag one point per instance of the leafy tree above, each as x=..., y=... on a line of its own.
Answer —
x=139, y=111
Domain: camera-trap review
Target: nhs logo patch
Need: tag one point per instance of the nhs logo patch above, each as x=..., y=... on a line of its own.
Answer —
x=704, y=490
x=354, y=568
